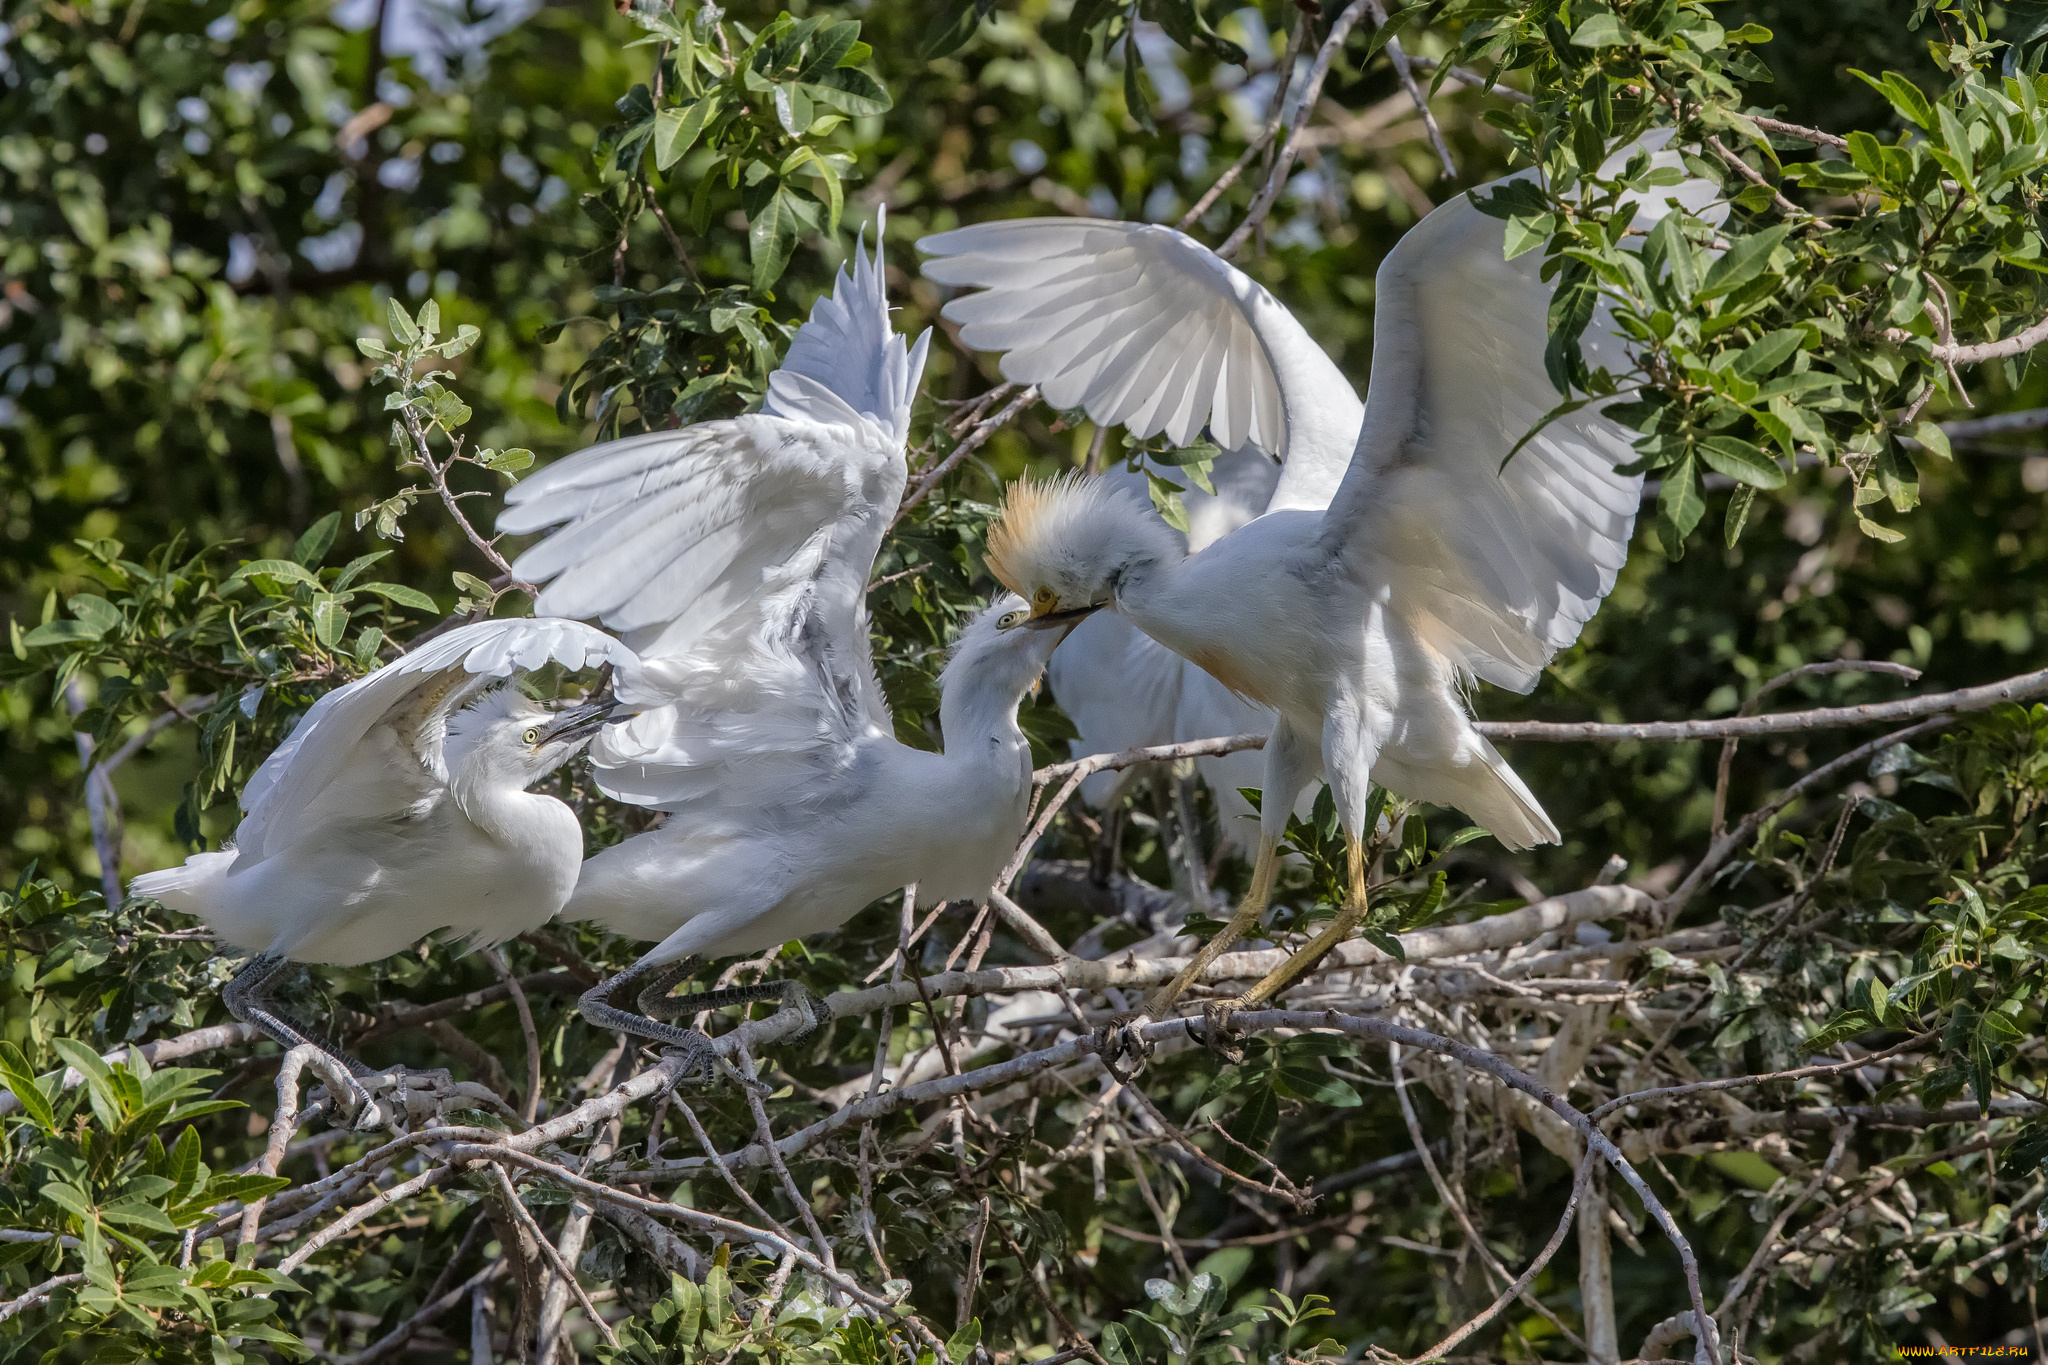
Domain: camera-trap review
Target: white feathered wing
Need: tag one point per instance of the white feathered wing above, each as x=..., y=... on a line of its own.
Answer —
x=734, y=557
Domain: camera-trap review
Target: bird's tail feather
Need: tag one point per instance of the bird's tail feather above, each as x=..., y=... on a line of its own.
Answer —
x=848, y=346
x=190, y=886
x=1486, y=789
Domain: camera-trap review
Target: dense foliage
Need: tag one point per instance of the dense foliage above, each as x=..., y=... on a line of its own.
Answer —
x=289, y=292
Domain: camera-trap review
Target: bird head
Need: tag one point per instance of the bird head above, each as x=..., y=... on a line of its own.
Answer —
x=1068, y=545
x=517, y=740
x=1000, y=656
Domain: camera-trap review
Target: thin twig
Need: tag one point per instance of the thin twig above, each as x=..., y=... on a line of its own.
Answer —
x=37, y=1295
x=974, y=441
x=1405, y=71
x=1276, y=179
x=283, y=1124
x=1275, y=117
x=553, y=1256
x=1520, y=1287
x=1456, y=1205
x=529, y=1106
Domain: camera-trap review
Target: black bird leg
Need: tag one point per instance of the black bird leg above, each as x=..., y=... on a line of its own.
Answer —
x=596, y=1006
x=656, y=1003
x=248, y=997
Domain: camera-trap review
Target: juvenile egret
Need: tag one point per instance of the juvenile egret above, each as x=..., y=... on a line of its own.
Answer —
x=1397, y=560
x=733, y=556
x=397, y=809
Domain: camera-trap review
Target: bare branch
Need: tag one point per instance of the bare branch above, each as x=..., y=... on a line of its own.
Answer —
x=529, y=1105
x=1405, y=71
x=975, y=440
x=1276, y=180
x=1813, y=135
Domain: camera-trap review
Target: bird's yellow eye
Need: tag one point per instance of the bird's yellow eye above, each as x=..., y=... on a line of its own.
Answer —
x=1010, y=619
x=531, y=736
x=1043, y=597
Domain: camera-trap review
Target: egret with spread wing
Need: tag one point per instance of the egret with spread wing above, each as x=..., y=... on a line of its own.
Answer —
x=1397, y=560
x=734, y=558
x=397, y=809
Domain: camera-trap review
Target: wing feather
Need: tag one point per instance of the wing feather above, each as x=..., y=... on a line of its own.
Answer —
x=1501, y=568
x=734, y=558
x=1141, y=326
x=414, y=694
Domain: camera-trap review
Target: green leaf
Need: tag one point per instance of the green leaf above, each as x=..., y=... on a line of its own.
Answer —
x=1526, y=234
x=82, y=1059
x=402, y=595
x=677, y=130
x=312, y=547
x=69, y=1198
x=1737, y=515
x=355, y=567
x=18, y=1078
x=1741, y=461
x=1165, y=496
x=962, y=1343
x=465, y=337
x=512, y=461
x=1768, y=352
x=284, y=570
x=401, y=323
x=1679, y=507
x=952, y=29
x=58, y=633
x=430, y=317
x=136, y=1213
x=1932, y=438
x=1748, y=258
x=470, y=585
x=236, y=1185
x=1601, y=30
x=771, y=238
x=330, y=619
x=852, y=92
x=1315, y=1086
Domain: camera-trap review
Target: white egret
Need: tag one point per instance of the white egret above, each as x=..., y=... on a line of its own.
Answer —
x=398, y=808
x=1397, y=561
x=734, y=557
x=1125, y=690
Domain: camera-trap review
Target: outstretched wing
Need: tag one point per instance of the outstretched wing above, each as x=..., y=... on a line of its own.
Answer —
x=734, y=555
x=413, y=695
x=1498, y=568
x=1141, y=325
x=659, y=536
x=769, y=705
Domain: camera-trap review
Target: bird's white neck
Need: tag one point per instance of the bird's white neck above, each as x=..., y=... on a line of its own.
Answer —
x=518, y=819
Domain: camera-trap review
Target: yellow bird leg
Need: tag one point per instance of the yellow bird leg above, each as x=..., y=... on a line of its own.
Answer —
x=1305, y=961
x=1264, y=869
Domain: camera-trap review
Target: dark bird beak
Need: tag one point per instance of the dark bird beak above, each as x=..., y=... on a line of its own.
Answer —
x=1067, y=619
x=581, y=721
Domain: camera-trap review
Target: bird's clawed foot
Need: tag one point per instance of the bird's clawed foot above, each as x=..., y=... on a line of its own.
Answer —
x=1122, y=1045
x=399, y=1100
x=1217, y=1034
x=346, y=1102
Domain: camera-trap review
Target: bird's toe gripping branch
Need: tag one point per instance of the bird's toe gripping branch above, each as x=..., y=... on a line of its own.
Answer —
x=248, y=997
x=703, y=1062
x=1121, y=1044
